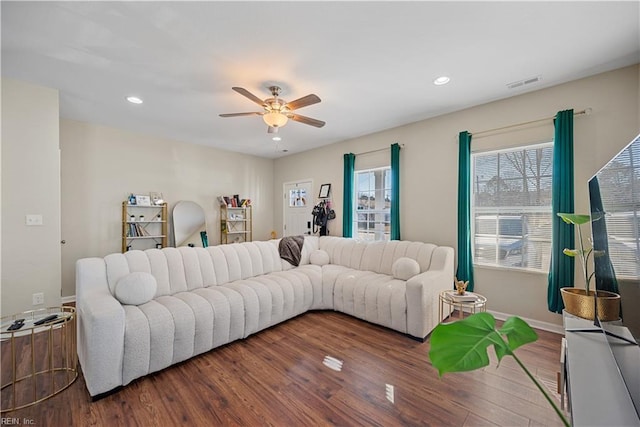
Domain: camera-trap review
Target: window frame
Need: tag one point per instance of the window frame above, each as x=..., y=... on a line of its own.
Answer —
x=386, y=173
x=506, y=212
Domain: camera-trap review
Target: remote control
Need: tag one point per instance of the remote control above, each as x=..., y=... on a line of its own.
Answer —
x=16, y=325
x=46, y=319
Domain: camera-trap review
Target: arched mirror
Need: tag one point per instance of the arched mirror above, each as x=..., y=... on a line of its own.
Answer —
x=189, y=226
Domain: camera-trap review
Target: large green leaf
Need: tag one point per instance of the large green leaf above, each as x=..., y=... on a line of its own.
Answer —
x=576, y=219
x=462, y=345
x=518, y=332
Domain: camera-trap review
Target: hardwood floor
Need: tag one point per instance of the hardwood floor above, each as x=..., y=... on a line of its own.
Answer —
x=278, y=378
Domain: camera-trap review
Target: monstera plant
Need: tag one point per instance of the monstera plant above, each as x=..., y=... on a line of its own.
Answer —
x=463, y=346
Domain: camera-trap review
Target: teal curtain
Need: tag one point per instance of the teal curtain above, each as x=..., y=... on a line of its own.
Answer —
x=395, y=192
x=465, y=251
x=561, y=270
x=347, y=200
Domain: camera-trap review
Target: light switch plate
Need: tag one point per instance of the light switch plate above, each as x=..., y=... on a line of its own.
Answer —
x=33, y=219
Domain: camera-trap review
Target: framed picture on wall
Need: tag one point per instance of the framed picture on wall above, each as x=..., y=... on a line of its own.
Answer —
x=324, y=191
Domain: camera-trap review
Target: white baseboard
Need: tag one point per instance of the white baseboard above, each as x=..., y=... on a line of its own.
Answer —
x=66, y=300
x=537, y=324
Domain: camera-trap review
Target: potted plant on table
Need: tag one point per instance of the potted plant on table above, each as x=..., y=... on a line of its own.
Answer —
x=580, y=302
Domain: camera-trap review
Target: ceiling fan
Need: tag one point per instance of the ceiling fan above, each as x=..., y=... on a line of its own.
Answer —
x=277, y=111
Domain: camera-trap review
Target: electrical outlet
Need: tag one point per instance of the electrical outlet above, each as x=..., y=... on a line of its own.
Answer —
x=38, y=298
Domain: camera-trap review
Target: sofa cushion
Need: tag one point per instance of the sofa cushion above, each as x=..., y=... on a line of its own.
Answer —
x=136, y=288
x=405, y=268
x=319, y=257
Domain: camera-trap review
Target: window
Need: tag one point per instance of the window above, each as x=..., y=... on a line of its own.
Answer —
x=372, y=213
x=511, y=207
x=619, y=183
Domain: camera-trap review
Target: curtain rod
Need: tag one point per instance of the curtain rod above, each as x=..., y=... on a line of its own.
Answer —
x=375, y=151
x=586, y=111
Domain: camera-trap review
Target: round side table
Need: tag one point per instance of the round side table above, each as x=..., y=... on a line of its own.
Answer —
x=39, y=359
x=471, y=302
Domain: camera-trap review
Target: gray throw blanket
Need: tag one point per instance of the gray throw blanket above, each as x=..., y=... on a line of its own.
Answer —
x=290, y=249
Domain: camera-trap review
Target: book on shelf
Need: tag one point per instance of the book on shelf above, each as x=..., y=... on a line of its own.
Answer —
x=466, y=297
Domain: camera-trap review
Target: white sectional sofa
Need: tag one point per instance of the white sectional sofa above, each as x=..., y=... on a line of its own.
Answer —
x=142, y=311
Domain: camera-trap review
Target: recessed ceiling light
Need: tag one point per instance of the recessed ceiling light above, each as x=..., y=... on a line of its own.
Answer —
x=277, y=138
x=134, y=99
x=442, y=80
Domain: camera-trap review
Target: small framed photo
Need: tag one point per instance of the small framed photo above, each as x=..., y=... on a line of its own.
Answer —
x=156, y=198
x=142, y=200
x=324, y=191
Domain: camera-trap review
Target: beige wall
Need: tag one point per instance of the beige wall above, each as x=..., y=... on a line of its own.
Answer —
x=101, y=166
x=30, y=185
x=429, y=167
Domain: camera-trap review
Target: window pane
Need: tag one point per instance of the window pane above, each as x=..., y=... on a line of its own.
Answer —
x=619, y=185
x=512, y=207
x=373, y=203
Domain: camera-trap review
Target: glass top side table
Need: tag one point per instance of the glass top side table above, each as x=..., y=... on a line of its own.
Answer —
x=39, y=358
x=470, y=302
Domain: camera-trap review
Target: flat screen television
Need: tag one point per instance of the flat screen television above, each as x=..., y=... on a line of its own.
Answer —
x=614, y=195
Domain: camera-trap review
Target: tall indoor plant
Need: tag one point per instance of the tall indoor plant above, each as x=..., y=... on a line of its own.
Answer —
x=580, y=302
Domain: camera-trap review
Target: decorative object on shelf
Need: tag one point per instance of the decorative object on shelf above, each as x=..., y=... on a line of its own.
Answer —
x=461, y=286
x=156, y=198
x=132, y=199
x=462, y=346
x=142, y=200
x=581, y=302
x=325, y=189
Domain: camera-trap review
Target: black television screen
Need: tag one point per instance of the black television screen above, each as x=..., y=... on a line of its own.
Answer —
x=614, y=194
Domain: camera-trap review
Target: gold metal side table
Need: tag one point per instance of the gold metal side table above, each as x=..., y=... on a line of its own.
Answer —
x=38, y=361
x=448, y=302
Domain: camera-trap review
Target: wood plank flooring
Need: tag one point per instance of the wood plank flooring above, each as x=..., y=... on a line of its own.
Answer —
x=277, y=378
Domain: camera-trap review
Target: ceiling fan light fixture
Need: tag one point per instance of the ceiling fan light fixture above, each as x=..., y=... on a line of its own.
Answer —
x=275, y=119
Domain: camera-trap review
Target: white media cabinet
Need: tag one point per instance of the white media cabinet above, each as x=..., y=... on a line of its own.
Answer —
x=596, y=390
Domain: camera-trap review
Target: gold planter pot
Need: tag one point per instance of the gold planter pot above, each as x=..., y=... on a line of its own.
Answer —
x=578, y=303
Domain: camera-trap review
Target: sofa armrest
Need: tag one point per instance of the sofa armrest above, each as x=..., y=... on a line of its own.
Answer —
x=423, y=292
x=101, y=323
x=100, y=333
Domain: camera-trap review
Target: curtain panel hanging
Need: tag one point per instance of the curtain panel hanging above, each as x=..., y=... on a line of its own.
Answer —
x=347, y=200
x=465, y=251
x=395, y=192
x=561, y=270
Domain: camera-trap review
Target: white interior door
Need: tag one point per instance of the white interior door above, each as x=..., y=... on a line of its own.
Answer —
x=298, y=204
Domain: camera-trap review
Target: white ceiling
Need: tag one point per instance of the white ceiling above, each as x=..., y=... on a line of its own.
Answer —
x=371, y=63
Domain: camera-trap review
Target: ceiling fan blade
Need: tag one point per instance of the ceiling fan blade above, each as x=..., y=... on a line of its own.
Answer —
x=271, y=129
x=303, y=102
x=242, y=91
x=307, y=120
x=241, y=114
